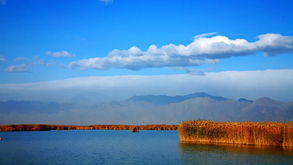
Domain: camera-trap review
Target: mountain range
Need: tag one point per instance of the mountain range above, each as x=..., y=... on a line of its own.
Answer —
x=163, y=99
x=158, y=109
x=205, y=106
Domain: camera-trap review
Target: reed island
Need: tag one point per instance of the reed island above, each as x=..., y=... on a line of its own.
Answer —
x=243, y=133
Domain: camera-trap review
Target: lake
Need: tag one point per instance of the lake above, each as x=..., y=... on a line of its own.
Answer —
x=124, y=147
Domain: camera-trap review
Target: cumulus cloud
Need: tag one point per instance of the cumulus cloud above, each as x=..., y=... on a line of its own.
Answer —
x=203, y=50
x=2, y=58
x=60, y=54
x=18, y=68
x=135, y=59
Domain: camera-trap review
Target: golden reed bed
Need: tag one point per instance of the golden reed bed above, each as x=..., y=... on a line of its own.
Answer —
x=244, y=133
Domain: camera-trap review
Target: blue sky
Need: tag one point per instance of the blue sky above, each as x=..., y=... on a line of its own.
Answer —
x=87, y=53
x=37, y=29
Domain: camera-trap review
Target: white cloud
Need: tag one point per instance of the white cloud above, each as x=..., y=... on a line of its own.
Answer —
x=276, y=84
x=2, y=58
x=107, y=1
x=135, y=59
x=18, y=68
x=205, y=35
x=28, y=63
x=60, y=54
x=201, y=51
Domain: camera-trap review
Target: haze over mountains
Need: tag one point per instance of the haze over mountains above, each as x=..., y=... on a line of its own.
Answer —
x=163, y=99
x=148, y=109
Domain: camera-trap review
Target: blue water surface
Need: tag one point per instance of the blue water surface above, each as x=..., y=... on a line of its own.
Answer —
x=123, y=147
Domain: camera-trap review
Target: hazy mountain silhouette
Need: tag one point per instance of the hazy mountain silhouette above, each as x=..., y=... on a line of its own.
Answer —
x=149, y=109
x=244, y=100
x=205, y=106
x=163, y=99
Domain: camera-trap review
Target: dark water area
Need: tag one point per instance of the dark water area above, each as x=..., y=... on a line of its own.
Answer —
x=123, y=147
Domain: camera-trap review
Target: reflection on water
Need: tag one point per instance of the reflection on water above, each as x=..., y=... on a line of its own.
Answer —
x=101, y=147
x=126, y=148
x=227, y=154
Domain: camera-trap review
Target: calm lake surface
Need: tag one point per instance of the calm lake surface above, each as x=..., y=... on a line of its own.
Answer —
x=123, y=147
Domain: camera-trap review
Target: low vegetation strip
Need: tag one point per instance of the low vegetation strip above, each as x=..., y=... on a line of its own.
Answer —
x=247, y=133
x=46, y=127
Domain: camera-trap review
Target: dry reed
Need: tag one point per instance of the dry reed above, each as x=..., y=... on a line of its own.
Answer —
x=248, y=133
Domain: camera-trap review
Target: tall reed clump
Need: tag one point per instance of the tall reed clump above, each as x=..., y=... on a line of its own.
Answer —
x=249, y=133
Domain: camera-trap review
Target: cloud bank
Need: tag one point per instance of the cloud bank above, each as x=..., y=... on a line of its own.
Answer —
x=276, y=84
x=203, y=50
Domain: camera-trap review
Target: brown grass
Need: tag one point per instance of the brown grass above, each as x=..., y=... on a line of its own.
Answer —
x=247, y=133
x=46, y=127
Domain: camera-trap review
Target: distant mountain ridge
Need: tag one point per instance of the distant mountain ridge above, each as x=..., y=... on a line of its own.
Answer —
x=150, y=109
x=164, y=99
x=244, y=100
x=205, y=106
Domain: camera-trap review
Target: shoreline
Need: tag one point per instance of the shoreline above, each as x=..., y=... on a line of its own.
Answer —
x=49, y=127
